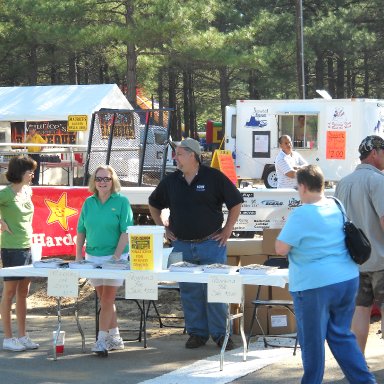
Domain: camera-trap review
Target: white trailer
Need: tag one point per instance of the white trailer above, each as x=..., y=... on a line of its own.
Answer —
x=325, y=132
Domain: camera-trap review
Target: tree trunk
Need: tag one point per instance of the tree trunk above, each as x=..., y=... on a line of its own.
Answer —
x=32, y=60
x=299, y=50
x=54, y=73
x=72, y=69
x=254, y=93
x=160, y=93
x=366, y=75
x=175, y=129
x=348, y=80
x=131, y=74
x=186, y=103
x=192, y=106
x=224, y=91
x=131, y=57
x=319, y=72
x=340, y=78
x=331, y=77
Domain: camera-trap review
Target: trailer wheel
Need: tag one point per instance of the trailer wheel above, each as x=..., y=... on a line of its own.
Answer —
x=270, y=177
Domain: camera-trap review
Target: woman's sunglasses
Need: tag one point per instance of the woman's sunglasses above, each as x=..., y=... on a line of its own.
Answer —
x=105, y=179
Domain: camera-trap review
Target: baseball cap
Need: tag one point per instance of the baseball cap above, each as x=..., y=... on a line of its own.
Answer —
x=370, y=143
x=191, y=144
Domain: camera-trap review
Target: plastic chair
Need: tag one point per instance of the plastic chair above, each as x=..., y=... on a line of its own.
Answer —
x=280, y=262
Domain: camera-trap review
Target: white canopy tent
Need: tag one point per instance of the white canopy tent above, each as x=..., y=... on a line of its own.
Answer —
x=55, y=103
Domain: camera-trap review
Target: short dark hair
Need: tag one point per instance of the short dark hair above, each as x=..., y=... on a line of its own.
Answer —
x=17, y=166
x=282, y=136
x=312, y=177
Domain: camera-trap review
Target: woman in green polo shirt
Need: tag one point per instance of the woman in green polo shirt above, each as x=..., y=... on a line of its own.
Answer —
x=16, y=211
x=103, y=222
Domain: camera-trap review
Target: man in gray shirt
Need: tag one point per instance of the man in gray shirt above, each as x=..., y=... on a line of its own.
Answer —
x=362, y=193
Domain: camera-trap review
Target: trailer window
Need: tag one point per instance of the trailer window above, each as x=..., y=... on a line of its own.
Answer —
x=301, y=128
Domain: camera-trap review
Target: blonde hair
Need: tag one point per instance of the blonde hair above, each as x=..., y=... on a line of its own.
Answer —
x=116, y=187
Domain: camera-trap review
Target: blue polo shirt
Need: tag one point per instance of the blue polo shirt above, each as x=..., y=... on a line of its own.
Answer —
x=103, y=224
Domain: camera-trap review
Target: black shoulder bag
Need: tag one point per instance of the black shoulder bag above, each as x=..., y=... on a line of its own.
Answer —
x=357, y=243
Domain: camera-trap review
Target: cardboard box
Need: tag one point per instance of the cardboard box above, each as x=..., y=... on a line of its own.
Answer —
x=241, y=247
x=280, y=321
x=269, y=238
x=233, y=260
x=281, y=293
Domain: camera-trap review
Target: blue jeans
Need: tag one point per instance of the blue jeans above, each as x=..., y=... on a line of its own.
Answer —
x=326, y=314
x=202, y=318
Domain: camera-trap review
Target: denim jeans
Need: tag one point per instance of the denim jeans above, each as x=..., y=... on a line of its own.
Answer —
x=325, y=313
x=202, y=318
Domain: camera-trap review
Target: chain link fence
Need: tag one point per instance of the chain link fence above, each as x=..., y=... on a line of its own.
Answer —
x=134, y=142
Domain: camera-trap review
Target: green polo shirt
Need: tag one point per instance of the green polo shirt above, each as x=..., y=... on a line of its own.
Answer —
x=103, y=224
x=17, y=212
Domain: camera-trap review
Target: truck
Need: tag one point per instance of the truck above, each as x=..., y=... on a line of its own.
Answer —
x=326, y=132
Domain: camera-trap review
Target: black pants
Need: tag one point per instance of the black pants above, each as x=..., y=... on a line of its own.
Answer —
x=36, y=174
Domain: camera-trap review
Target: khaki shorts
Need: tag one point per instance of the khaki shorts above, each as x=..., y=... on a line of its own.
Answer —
x=371, y=289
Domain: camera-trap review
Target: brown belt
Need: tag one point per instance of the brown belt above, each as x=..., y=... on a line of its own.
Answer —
x=202, y=239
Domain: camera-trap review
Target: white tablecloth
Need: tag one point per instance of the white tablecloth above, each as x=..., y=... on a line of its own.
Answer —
x=277, y=278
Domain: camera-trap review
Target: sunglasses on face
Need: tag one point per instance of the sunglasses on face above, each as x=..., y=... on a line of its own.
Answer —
x=105, y=179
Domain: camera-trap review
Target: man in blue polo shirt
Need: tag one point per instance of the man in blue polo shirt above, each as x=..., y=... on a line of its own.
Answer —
x=195, y=194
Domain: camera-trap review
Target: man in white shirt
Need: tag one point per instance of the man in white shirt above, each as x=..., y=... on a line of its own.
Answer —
x=287, y=162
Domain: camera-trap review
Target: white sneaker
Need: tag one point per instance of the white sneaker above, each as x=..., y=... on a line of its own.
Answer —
x=100, y=347
x=115, y=343
x=28, y=343
x=13, y=344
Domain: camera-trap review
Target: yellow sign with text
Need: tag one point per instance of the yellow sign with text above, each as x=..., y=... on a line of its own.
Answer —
x=77, y=123
x=142, y=252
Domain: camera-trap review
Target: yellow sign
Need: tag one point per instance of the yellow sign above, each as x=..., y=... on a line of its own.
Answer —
x=141, y=252
x=77, y=123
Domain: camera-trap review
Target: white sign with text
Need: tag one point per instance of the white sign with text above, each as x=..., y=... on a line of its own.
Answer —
x=141, y=285
x=63, y=283
x=225, y=289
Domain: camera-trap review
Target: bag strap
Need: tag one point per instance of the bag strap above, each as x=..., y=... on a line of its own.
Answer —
x=341, y=207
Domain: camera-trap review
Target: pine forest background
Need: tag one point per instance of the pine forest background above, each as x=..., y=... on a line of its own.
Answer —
x=196, y=55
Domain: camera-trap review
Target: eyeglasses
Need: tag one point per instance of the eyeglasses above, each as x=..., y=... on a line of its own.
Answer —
x=105, y=179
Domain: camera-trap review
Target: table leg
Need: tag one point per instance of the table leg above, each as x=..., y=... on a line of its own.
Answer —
x=144, y=325
x=245, y=347
x=58, y=328
x=229, y=319
x=227, y=332
x=77, y=317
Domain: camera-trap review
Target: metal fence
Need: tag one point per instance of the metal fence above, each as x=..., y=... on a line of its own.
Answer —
x=134, y=142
